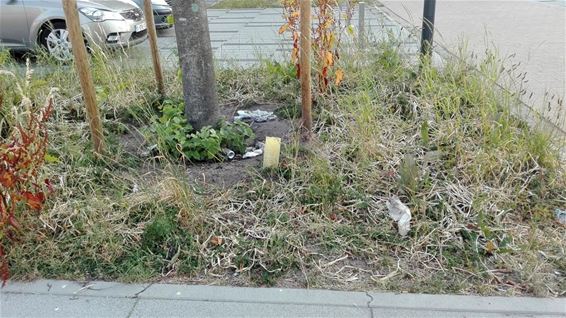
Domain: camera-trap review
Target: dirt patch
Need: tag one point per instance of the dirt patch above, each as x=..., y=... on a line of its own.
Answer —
x=227, y=173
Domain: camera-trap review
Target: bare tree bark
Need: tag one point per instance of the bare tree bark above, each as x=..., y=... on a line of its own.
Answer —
x=195, y=57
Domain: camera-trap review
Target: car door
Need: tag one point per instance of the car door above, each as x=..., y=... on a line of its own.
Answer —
x=14, y=27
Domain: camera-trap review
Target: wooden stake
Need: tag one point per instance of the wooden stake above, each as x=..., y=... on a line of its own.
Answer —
x=305, y=65
x=83, y=69
x=152, y=34
x=362, y=24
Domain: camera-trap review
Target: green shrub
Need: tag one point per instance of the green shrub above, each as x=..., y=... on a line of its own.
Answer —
x=203, y=145
x=234, y=136
x=176, y=137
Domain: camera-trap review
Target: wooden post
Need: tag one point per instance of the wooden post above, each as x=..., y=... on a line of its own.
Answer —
x=83, y=69
x=152, y=34
x=305, y=65
x=362, y=23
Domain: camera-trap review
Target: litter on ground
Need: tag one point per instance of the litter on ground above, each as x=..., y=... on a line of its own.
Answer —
x=258, y=116
x=399, y=212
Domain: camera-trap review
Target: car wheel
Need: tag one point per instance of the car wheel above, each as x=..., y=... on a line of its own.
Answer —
x=55, y=39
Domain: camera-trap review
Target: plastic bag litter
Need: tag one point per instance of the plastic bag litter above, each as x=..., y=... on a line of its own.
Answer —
x=400, y=213
x=150, y=151
x=256, y=115
x=254, y=151
x=560, y=216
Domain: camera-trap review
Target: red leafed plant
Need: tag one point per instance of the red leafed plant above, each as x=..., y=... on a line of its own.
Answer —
x=22, y=154
x=326, y=38
x=291, y=14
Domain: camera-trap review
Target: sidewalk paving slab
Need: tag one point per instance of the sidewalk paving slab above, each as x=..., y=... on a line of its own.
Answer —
x=256, y=295
x=70, y=288
x=470, y=304
x=396, y=313
x=45, y=306
x=175, y=308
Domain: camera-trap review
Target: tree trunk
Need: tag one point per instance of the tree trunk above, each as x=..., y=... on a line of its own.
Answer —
x=195, y=57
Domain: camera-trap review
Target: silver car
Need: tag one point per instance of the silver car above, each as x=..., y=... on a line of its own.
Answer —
x=27, y=24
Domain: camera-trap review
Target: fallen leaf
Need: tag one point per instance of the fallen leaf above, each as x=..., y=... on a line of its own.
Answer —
x=51, y=159
x=329, y=58
x=283, y=28
x=339, y=77
x=295, y=54
x=34, y=201
x=350, y=30
x=216, y=240
x=48, y=184
x=6, y=179
x=490, y=247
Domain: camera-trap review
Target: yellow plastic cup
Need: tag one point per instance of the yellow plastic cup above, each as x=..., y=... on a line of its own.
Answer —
x=271, y=152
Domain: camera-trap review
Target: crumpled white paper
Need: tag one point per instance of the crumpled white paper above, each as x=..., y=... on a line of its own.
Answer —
x=256, y=115
x=254, y=151
x=400, y=213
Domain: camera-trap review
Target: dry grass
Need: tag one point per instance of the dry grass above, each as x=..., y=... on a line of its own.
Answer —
x=481, y=185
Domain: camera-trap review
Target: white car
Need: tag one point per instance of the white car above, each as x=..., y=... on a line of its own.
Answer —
x=28, y=24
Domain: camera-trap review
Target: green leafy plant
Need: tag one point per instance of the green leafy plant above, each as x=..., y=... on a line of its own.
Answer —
x=177, y=137
x=234, y=136
x=203, y=145
x=172, y=129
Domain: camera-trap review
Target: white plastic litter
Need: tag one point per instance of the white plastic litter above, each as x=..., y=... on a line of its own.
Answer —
x=400, y=213
x=254, y=151
x=256, y=115
x=150, y=151
x=560, y=216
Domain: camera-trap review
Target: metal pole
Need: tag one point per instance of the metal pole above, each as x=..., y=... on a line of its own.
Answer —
x=428, y=27
x=362, y=23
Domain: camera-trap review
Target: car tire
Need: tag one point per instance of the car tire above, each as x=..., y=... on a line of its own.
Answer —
x=54, y=37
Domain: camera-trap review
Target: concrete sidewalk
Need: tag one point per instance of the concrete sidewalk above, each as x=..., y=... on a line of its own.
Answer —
x=46, y=298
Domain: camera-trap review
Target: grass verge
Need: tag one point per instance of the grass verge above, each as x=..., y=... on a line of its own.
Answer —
x=481, y=184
